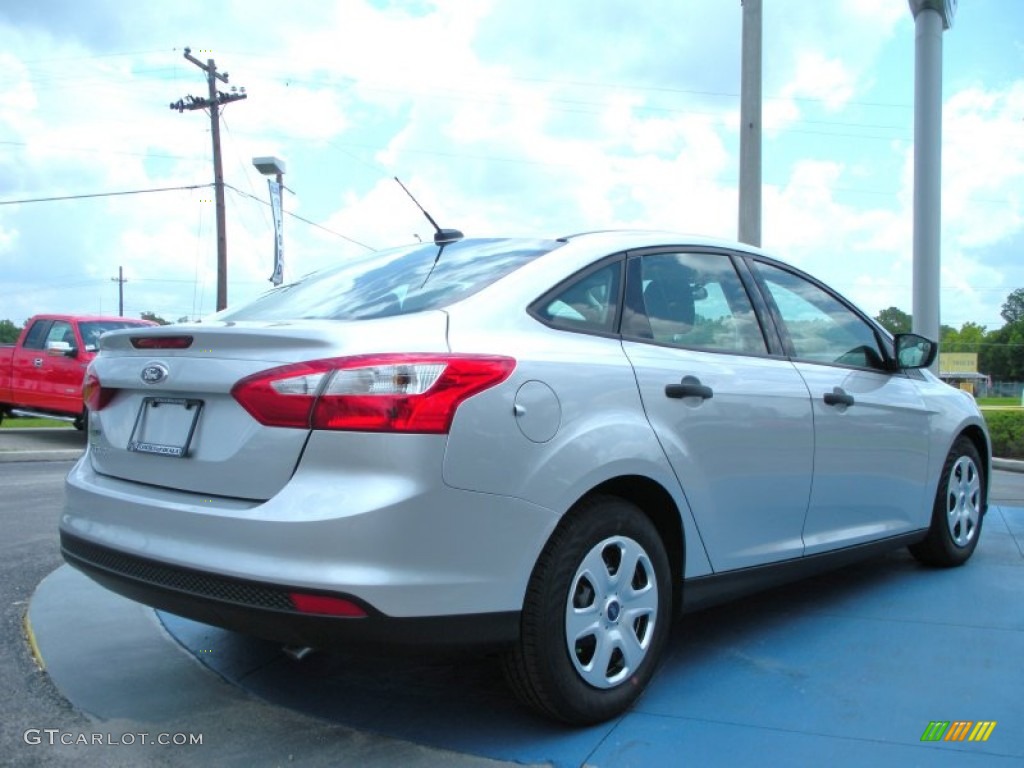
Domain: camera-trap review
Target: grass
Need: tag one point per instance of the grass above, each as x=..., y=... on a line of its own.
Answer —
x=999, y=401
x=19, y=422
x=1006, y=428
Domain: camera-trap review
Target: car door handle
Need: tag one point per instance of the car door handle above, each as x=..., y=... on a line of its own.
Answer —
x=838, y=396
x=38, y=362
x=690, y=386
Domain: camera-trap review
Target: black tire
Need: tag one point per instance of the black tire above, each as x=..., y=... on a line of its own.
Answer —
x=580, y=586
x=82, y=420
x=958, y=511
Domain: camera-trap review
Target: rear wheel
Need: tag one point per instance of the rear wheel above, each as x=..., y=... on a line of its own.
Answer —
x=596, y=615
x=957, y=514
x=82, y=420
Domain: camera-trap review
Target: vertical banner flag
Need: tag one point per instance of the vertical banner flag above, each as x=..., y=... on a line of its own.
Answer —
x=275, y=206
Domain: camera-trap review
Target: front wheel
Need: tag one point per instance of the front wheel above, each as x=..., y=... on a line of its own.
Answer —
x=957, y=514
x=596, y=615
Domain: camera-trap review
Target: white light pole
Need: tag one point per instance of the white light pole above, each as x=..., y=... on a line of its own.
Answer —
x=931, y=18
x=750, y=125
x=273, y=166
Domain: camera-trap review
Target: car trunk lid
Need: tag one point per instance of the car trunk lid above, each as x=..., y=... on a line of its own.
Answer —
x=168, y=416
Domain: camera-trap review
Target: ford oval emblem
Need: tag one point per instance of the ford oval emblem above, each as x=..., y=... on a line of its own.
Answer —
x=154, y=373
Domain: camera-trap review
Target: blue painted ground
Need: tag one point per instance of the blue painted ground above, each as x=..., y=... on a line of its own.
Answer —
x=850, y=667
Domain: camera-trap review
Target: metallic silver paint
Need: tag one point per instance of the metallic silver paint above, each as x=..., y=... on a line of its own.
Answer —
x=426, y=525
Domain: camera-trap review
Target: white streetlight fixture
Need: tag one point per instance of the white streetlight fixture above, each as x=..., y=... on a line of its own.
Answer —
x=272, y=166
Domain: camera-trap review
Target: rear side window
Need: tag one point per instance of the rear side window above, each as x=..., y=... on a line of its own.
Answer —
x=395, y=282
x=36, y=337
x=588, y=303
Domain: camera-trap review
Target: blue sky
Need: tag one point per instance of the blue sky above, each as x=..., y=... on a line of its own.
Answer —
x=525, y=117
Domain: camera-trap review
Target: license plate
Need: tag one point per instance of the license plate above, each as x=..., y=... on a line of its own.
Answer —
x=165, y=426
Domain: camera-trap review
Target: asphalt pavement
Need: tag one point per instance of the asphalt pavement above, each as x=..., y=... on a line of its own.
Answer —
x=119, y=682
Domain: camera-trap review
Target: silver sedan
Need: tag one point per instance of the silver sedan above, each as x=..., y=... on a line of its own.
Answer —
x=550, y=447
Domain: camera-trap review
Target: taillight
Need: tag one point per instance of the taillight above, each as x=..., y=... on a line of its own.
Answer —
x=371, y=393
x=94, y=395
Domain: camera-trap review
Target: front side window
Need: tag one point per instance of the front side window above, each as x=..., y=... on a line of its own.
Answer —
x=61, y=331
x=394, y=282
x=693, y=300
x=820, y=327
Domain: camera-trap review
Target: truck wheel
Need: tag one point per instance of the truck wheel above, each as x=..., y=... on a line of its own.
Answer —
x=82, y=421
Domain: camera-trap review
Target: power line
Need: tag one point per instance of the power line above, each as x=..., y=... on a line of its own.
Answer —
x=302, y=219
x=103, y=194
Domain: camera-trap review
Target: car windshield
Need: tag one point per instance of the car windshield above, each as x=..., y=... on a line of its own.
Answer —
x=395, y=282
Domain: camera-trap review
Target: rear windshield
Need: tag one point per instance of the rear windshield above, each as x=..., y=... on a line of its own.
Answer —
x=395, y=282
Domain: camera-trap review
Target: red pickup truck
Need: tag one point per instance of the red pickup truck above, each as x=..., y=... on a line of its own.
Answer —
x=42, y=374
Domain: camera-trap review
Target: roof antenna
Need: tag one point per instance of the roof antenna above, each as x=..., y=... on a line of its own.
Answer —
x=441, y=236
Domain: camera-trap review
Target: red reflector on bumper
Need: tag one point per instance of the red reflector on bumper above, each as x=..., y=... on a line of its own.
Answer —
x=322, y=604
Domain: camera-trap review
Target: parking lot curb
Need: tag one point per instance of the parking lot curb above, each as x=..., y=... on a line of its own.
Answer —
x=56, y=454
x=1009, y=465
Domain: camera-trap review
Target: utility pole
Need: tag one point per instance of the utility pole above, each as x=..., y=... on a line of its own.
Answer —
x=750, y=126
x=213, y=102
x=120, y=280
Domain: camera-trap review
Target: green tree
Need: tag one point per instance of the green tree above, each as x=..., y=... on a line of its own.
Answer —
x=970, y=338
x=1002, y=356
x=895, y=320
x=154, y=317
x=9, y=332
x=1013, y=307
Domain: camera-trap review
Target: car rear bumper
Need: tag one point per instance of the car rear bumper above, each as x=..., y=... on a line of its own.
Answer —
x=395, y=540
x=267, y=610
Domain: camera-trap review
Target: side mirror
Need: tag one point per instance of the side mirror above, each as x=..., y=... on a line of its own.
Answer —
x=913, y=351
x=60, y=349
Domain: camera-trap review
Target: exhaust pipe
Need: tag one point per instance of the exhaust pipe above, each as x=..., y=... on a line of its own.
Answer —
x=297, y=652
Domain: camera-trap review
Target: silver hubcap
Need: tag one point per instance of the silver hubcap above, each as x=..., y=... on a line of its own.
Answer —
x=611, y=612
x=963, y=501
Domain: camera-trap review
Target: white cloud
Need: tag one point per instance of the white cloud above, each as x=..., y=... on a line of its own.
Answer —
x=508, y=118
x=823, y=79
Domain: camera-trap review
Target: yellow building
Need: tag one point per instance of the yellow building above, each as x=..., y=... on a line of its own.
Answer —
x=960, y=369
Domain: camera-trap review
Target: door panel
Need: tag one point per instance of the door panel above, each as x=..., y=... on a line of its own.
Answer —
x=871, y=457
x=26, y=365
x=743, y=457
x=871, y=425
x=735, y=423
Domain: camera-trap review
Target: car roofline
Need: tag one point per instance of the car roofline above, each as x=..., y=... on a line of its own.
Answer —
x=642, y=238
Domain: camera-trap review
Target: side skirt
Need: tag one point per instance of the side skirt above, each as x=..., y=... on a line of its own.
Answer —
x=705, y=591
